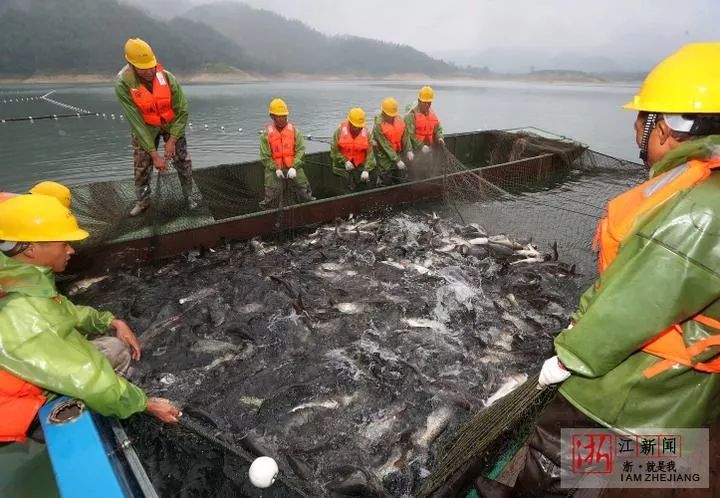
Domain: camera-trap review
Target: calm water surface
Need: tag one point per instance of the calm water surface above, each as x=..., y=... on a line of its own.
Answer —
x=83, y=150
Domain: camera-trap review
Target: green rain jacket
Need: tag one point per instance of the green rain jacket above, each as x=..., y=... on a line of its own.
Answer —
x=338, y=160
x=146, y=134
x=410, y=127
x=271, y=180
x=42, y=340
x=385, y=156
x=667, y=271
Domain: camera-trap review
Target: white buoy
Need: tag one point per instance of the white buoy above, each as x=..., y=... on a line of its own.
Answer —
x=122, y=117
x=263, y=472
x=3, y=121
x=112, y=116
x=103, y=115
x=190, y=124
x=222, y=128
x=239, y=130
x=31, y=119
x=55, y=117
x=206, y=127
x=97, y=114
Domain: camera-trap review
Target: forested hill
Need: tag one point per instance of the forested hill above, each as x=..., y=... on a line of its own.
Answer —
x=292, y=46
x=48, y=37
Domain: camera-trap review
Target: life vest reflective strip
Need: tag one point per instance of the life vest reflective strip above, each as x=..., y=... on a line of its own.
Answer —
x=156, y=107
x=621, y=220
x=356, y=148
x=282, y=145
x=425, y=126
x=19, y=404
x=394, y=132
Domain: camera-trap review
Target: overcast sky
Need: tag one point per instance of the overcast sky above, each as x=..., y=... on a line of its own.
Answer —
x=625, y=30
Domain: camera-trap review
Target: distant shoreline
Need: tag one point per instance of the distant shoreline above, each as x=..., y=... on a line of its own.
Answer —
x=559, y=78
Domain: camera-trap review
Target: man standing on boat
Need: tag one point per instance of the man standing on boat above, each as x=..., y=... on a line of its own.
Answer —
x=282, y=152
x=44, y=345
x=423, y=125
x=351, y=151
x=155, y=107
x=643, y=349
x=392, y=142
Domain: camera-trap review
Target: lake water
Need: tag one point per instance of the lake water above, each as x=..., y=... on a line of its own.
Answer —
x=74, y=151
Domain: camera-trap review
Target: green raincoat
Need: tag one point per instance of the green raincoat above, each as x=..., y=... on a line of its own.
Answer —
x=145, y=133
x=665, y=272
x=410, y=127
x=385, y=156
x=271, y=180
x=338, y=160
x=42, y=340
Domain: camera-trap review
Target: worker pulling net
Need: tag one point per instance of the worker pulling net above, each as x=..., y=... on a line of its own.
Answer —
x=367, y=355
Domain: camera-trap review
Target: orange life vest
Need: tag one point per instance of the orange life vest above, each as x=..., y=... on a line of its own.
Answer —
x=394, y=132
x=19, y=403
x=156, y=107
x=282, y=145
x=620, y=222
x=425, y=127
x=354, y=149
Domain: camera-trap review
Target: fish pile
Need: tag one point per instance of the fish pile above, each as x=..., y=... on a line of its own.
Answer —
x=350, y=353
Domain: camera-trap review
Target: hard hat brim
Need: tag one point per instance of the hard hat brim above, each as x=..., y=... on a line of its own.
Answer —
x=392, y=114
x=281, y=113
x=358, y=124
x=425, y=100
x=148, y=65
x=73, y=236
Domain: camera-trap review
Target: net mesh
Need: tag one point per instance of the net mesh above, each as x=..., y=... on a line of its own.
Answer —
x=529, y=185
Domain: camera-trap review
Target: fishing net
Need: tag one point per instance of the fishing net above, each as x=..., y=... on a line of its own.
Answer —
x=363, y=354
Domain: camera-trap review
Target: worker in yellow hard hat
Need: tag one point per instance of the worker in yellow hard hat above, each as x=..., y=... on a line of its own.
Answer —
x=44, y=345
x=282, y=152
x=351, y=151
x=52, y=189
x=642, y=356
x=392, y=143
x=423, y=125
x=155, y=107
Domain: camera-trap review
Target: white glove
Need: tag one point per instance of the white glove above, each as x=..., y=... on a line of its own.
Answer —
x=292, y=173
x=349, y=166
x=365, y=176
x=552, y=373
x=411, y=156
x=280, y=173
x=425, y=149
x=441, y=141
x=401, y=165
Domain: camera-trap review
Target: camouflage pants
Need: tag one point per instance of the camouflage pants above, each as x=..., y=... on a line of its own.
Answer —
x=143, y=164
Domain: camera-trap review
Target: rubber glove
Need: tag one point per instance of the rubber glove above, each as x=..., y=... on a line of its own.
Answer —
x=552, y=372
x=292, y=173
x=425, y=149
x=365, y=176
x=349, y=166
x=411, y=156
x=401, y=165
x=280, y=173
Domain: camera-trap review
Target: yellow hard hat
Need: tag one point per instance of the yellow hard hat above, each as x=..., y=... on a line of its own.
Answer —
x=54, y=189
x=356, y=116
x=426, y=94
x=38, y=218
x=688, y=81
x=390, y=107
x=139, y=54
x=278, y=107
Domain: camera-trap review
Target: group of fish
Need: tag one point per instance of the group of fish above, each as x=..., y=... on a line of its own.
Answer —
x=350, y=353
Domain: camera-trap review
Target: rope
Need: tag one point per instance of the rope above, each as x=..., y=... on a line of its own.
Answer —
x=194, y=427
